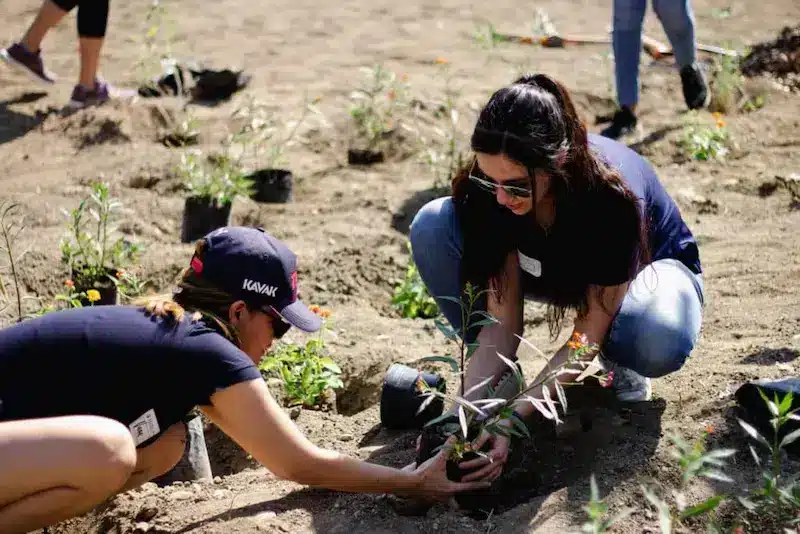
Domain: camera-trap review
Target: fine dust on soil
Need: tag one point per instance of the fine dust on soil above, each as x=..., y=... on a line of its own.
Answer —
x=348, y=226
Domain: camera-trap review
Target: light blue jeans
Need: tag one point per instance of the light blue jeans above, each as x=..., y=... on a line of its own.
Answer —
x=677, y=19
x=652, y=333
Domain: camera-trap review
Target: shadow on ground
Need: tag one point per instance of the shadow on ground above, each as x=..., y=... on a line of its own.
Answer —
x=766, y=356
x=14, y=124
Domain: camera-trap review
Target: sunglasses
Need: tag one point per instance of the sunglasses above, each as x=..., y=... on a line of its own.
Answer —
x=279, y=325
x=517, y=187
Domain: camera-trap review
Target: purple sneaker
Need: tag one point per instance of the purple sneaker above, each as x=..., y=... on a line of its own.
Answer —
x=83, y=97
x=30, y=63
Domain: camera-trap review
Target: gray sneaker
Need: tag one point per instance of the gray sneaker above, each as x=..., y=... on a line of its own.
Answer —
x=629, y=385
x=28, y=62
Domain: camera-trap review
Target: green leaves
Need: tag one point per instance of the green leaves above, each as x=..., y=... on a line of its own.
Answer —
x=411, y=297
x=702, y=508
x=448, y=332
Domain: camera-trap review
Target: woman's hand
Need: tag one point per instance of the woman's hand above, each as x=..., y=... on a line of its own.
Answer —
x=488, y=467
x=433, y=481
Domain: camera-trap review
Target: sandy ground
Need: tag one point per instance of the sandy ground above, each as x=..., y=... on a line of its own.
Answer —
x=349, y=226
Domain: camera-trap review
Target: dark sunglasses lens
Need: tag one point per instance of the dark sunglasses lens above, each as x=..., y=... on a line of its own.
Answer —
x=280, y=327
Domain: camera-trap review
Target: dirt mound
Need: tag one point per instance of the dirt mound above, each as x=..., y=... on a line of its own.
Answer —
x=780, y=58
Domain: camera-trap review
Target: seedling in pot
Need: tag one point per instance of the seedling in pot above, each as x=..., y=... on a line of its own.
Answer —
x=261, y=140
x=213, y=183
x=495, y=414
x=377, y=111
x=91, y=250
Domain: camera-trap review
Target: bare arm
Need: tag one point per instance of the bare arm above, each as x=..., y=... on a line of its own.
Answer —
x=249, y=415
x=500, y=337
x=603, y=303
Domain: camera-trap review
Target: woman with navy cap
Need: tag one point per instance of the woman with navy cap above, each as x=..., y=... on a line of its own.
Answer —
x=92, y=399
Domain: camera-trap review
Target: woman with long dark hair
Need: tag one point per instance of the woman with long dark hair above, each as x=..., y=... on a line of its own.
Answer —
x=548, y=212
x=92, y=400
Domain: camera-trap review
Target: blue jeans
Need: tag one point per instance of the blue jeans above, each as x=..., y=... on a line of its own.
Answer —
x=677, y=19
x=652, y=333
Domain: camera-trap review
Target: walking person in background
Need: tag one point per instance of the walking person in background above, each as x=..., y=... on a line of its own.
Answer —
x=677, y=19
x=26, y=54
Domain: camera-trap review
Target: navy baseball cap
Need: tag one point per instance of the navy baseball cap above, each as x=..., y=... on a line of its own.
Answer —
x=257, y=268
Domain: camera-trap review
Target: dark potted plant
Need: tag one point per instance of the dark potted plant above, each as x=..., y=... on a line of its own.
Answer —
x=213, y=182
x=376, y=112
x=92, y=251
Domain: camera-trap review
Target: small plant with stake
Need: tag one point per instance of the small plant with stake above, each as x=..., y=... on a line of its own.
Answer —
x=11, y=226
x=90, y=251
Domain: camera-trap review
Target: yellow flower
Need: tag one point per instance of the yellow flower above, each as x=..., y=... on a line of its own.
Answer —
x=441, y=61
x=324, y=314
x=717, y=115
x=93, y=295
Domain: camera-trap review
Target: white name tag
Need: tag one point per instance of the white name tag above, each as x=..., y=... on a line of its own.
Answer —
x=145, y=427
x=530, y=265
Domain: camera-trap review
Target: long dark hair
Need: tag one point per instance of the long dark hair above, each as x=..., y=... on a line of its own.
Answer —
x=534, y=123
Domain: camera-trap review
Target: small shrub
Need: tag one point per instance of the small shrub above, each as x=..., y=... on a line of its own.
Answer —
x=91, y=251
x=411, y=298
x=307, y=371
x=728, y=93
x=703, y=141
x=216, y=177
x=378, y=105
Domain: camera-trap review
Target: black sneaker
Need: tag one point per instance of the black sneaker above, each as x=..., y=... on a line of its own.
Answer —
x=623, y=123
x=695, y=89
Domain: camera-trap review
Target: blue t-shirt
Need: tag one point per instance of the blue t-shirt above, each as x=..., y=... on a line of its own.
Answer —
x=554, y=264
x=116, y=362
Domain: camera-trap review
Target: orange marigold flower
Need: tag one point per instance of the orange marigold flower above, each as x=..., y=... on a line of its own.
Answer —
x=573, y=345
x=324, y=314
x=720, y=123
x=314, y=308
x=717, y=115
x=120, y=274
x=709, y=429
x=69, y=283
x=441, y=61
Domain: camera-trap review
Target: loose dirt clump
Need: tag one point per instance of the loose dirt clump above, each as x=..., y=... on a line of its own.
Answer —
x=780, y=58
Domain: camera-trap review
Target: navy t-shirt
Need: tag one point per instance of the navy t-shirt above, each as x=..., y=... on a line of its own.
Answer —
x=117, y=362
x=595, y=256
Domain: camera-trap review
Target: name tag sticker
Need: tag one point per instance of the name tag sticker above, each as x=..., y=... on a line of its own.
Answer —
x=145, y=427
x=530, y=265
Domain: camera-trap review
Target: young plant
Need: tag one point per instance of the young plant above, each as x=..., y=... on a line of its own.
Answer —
x=597, y=510
x=129, y=285
x=444, y=154
x=705, y=142
x=411, y=297
x=493, y=414
x=261, y=137
x=776, y=495
x=70, y=298
x=11, y=226
x=217, y=178
x=91, y=251
x=307, y=371
x=728, y=93
x=695, y=462
x=378, y=105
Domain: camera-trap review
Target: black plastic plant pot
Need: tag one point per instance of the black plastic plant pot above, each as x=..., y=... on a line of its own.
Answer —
x=401, y=400
x=201, y=216
x=757, y=413
x=364, y=157
x=105, y=286
x=273, y=186
x=177, y=140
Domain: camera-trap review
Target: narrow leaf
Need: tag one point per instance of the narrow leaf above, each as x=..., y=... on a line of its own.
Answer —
x=755, y=455
x=448, y=332
x=443, y=359
x=664, y=518
x=462, y=418
x=461, y=401
x=562, y=397
x=443, y=417
x=703, y=507
x=539, y=405
x=520, y=425
x=550, y=404
x=720, y=453
x=484, y=322
x=514, y=369
x=789, y=438
x=426, y=403
x=786, y=403
x=479, y=385
x=532, y=346
x=451, y=299
x=717, y=475
x=750, y=429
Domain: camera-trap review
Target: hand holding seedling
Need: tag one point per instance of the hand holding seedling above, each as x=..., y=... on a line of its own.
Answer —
x=489, y=466
x=433, y=482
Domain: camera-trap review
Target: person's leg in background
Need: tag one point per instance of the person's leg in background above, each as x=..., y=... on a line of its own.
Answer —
x=656, y=327
x=26, y=54
x=628, y=19
x=677, y=19
x=92, y=24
